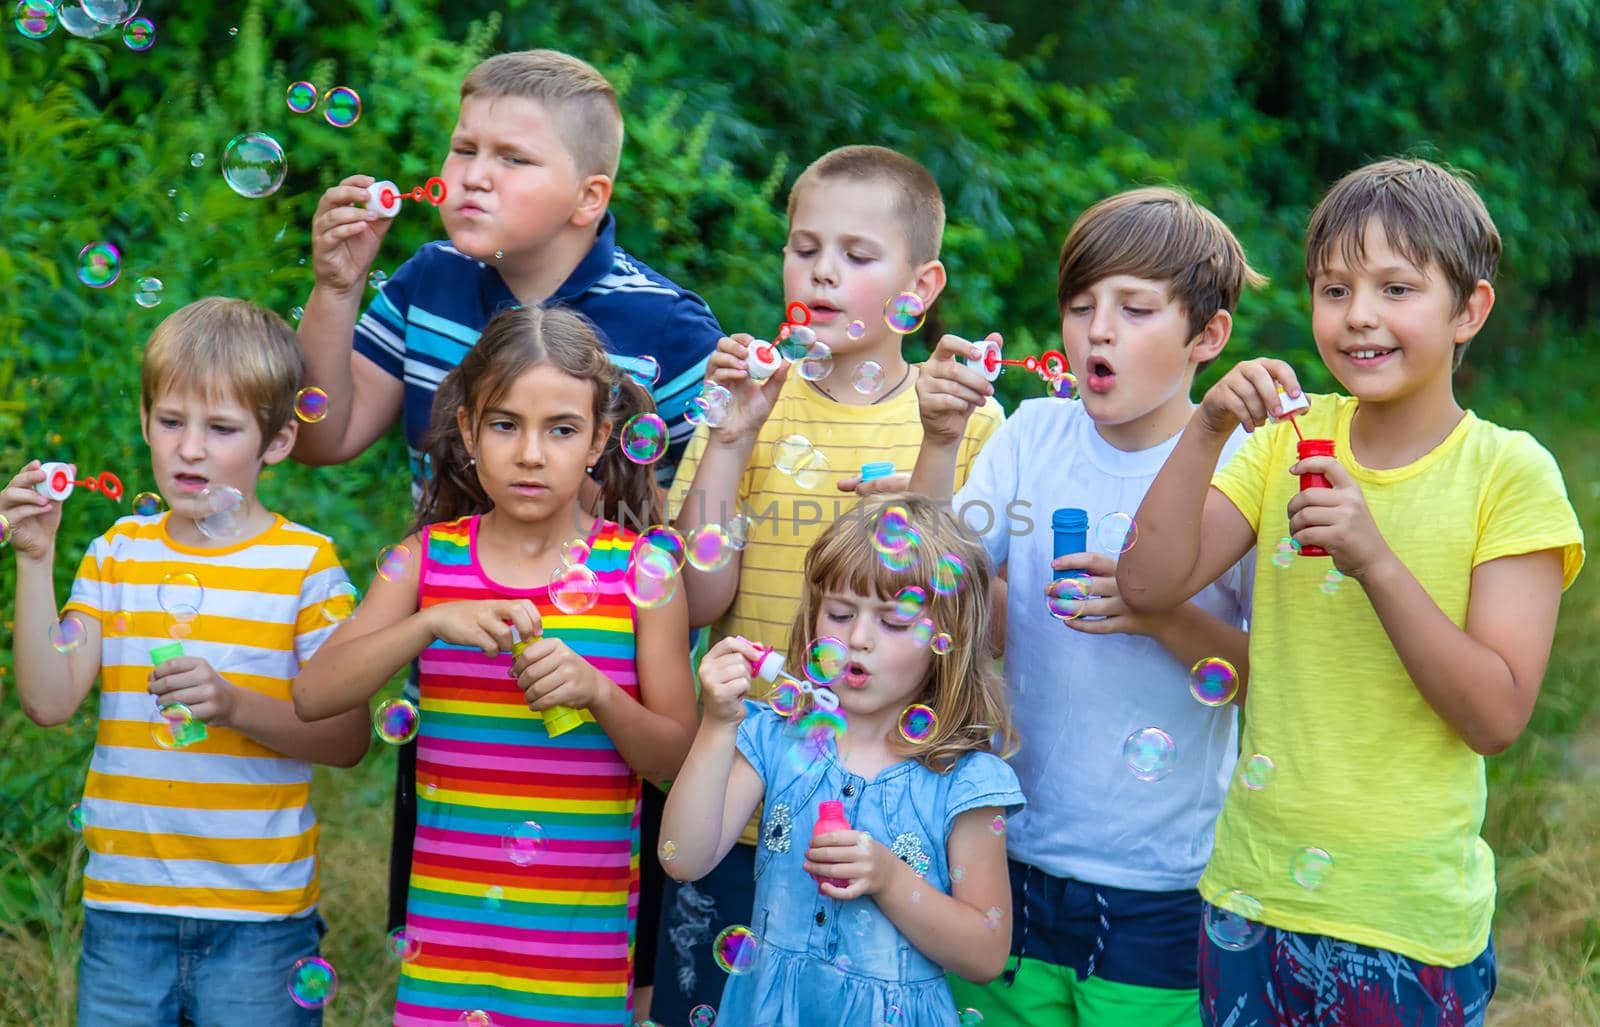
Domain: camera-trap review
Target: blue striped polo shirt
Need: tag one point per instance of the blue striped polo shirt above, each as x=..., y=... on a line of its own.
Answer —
x=433, y=309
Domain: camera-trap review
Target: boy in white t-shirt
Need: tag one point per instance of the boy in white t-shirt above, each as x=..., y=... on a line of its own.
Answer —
x=1123, y=768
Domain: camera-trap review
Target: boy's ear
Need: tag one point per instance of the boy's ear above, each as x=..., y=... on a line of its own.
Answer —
x=1474, y=312
x=929, y=281
x=282, y=441
x=1208, y=344
x=594, y=195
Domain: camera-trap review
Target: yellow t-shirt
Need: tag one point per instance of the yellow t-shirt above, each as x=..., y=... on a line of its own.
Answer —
x=788, y=512
x=1366, y=771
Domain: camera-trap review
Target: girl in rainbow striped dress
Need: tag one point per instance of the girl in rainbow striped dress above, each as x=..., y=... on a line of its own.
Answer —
x=524, y=890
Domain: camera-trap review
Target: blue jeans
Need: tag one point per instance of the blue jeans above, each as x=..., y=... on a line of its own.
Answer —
x=154, y=970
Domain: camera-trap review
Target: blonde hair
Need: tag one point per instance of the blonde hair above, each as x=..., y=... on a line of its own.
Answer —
x=220, y=347
x=918, y=206
x=1430, y=214
x=577, y=97
x=1159, y=234
x=964, y=687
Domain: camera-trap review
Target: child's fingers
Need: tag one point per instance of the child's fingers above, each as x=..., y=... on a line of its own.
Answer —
x=1095, y=563
x=952, y=348
x=18, y=511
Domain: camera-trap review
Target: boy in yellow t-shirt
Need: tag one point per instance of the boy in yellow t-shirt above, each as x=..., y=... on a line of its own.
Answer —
x=1349, y=883
x=865, y=225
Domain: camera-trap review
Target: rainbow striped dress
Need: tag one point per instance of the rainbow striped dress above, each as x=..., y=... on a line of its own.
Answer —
x=525, y=884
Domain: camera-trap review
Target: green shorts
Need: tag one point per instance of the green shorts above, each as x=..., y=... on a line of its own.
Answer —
x=1041, y=994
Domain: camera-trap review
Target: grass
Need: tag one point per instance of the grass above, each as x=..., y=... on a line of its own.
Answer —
x=1542, y=820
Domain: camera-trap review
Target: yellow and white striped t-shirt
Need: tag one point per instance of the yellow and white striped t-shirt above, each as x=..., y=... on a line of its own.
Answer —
x=221, y=829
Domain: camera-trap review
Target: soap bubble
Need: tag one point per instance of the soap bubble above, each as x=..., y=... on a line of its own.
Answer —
x=867, y=377
x=396, y=721
x=855, y=329
x=644, y=438
x=1257, y=772
x=147, y=504
x=718, y=401
x=817, y=363
x=1064, y=386
x=175, y=726
x=825, y=660
x=148, y=292
x=645, y=589
x=376, y=277
x=660, y=551
x=667, y=850
x=922, y=630
x=574, y=551
x=1213, y=682
x=75, y=817
x=475, y=1018
x=392, y=562
x=1310, y=867
x=735, y=949
x=941, y=643
x=110, y=12
x=970, y=1017
x=180, y=590
x=738, y=531
x=574, y=589
x=342, y=107
x=789, y=452
x=312, y=982
x=524, y=843
x=796, y=341
x=695, y=413
x=121, y=623
x=917, y=723
x=1149, y=753
x=646, y=370
x=702, y=1016
x=402, y=946
x=341, y=603
x=948, y=575
x=1116, y=533
x=787, y=697
x=904, y=313
x=180, y=621
x=36, y=19
x=253, y=165
x=99, y=264
x=893, y=530
x=1233, y=921
x=1287, y=550
x=908, y=603
x=81, y=23
x=1331, y=582
x=301, y=97
x=139, y=34
x=67, y=634
x=811, y=471
x=1066, y=598
x=901, y=560
x=708, y=548
x=997, y=826
x=197, y=159
x=311, y=404
x=221, y=512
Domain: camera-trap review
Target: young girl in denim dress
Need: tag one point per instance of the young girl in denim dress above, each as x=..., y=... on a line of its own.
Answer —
x=859, y=926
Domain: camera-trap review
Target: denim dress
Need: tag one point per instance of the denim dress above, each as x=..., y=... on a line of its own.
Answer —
x=821, y=962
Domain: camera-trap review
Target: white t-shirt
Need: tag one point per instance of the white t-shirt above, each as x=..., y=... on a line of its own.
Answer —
x=1075, y=697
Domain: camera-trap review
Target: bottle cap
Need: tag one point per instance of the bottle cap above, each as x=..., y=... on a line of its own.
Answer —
x=771, y=665
x=1314, y=447
x=1070, y=518
x=1291, y=405
x=830, y=809
x=59, y=479
x=162, y=653
x=384, y=197
x=764, y=361
x=877, y=469
x=988, y=361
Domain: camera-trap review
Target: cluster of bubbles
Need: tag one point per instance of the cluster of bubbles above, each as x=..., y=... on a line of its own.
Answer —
x=254, y=165
x=221, y=512
x=396, y=721
x=312, y=982
x=341, y=105
x=87, y=19
x=800, y=459
x=710, y=407
x=1283, y=557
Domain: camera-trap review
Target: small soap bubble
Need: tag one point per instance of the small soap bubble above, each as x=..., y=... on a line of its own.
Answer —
x=647, y=590
x=1064, y=386
x=99, y=264
x=110, y=12
x=941, y=643
x=1116, y=533
x=795, y=343
x=574, y=551
x=702, y=1016
x=908, y=603
x=392, y=562
x=904, y=313
x=67, y=635
x=646, y=370
x=139, y=34
x=922, y=631
x=735, y=949
x=842, y=963
x=492, y=896
x=296, y=313
x=787, y=698
x=812, y=471
x=970, y=1017
x=893, y=530
x=147, y=292
x=949, y=574
x=36, y=19
x=402, y=946
x=644, y=438
x=175, y=726
x=1257, y=772
x=301, y=97
x=993, y=917
x=396, y=721
x=1149, y=753
x=475, y=1018
x=1232, y=922
x=376, y=277
x=1331, y=582
x=254, y=165
x=1213, y=682
x=524, y=843
x=120, y=623
x=917, y=723
x=660, y=549
x=718, y=401
x=667, y=850
x=197, y=159
x=341, y=603
x=695, y=413
x=826, y=658
x=708, y=548
x=790, y=452
x=957, y=872
x=738, y=531
x=817, y=363
x=80, y=23
x=856, y=329
x=221, y=512
x=1287, y=550
x=180, y=621
x=311, y=404
x=342, y=107
x=183, y=216
x=574, y=589
x=1310, y=867
x=1066, y=598
x=312, y=982
x=75, y=817
x=867, y=377
x=180, y=590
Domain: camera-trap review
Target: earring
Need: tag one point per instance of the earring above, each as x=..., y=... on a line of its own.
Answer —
x=589, y=469
x=472, y=461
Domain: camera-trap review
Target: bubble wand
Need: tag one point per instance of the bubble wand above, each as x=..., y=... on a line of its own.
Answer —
x=60, y=479
x=1305, y=448
x=766, y=358
x=385, y=197
x=1051, y=367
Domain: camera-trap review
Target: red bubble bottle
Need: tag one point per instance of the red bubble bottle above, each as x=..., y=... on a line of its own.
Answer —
x=1309, y=448
x=830, y=817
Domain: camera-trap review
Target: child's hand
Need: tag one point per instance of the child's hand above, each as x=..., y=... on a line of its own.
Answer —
x=551, y=674
x=484, y=623
x=1247, y=395
x=752, y=402
x=345, y=237
x=725, y=679
x=1104, y=599
x=32, y=518
x=949, y=389
x=1337, y=519
x=853, y=856
x=193, y=682
x=900, y=481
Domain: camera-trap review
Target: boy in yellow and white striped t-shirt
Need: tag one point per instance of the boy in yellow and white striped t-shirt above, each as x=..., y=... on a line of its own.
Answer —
x=201, y=887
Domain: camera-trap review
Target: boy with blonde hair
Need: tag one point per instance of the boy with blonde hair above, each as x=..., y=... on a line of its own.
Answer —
x=201, y=889
x=1105, y=858
x=865, y=224
x=1349, y=883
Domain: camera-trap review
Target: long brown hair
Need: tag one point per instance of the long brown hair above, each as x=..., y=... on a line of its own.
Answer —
x=513, y=343
x=964, y=687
